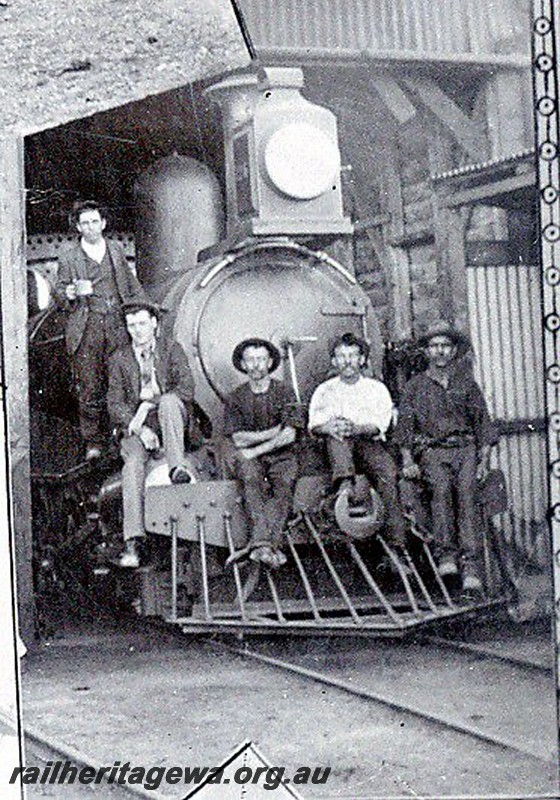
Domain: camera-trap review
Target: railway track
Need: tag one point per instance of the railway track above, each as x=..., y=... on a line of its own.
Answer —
x=500, y=700
x=406, y=718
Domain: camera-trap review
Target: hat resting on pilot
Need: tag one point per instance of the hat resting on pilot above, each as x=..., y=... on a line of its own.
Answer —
x=239, y=349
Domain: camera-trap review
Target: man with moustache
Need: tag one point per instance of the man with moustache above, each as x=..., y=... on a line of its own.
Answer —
x=353, y=413
x=445, y=434
x=260, y=434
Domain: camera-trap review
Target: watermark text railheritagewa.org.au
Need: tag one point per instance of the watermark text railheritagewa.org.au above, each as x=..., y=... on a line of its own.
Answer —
x=59, y=772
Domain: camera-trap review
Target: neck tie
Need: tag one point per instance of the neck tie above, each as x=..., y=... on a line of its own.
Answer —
x=146, y=369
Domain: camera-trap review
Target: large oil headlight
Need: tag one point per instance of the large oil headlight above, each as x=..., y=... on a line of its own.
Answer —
x=301, y=160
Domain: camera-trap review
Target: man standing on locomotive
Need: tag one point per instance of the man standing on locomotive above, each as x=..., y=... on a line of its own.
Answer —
x=445, y=434
x=93, y=280
x=151, y=390
x=353, y=413
x=259, y=448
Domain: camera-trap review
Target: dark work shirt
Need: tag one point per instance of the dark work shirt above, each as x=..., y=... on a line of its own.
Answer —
x=105, y=297
x=247, y=411
x=428, y=412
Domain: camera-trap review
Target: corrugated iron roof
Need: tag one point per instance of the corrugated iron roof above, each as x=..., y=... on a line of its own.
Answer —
x=481, y=166
x=429, y=29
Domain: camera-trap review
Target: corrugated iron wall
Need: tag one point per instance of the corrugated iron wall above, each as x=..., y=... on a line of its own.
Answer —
x=423, y=27
x=506, y=330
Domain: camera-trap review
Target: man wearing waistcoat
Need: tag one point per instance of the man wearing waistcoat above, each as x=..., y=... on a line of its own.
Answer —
x=93, y=281
x=151, y=391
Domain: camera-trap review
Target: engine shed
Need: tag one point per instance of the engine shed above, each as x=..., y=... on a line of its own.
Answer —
x=413, y=97
x=433, y=103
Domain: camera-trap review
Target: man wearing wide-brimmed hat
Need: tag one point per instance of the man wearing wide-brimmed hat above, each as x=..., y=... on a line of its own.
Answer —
x=151, y=390
x=445, y=434
x=259, y=448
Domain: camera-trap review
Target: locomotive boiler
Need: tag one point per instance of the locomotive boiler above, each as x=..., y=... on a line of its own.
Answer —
x=261, y=269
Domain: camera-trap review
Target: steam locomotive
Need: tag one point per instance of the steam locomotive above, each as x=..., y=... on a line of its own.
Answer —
x=263, y=272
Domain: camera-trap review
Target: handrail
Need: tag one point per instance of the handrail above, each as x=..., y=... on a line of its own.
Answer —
x=275, y=244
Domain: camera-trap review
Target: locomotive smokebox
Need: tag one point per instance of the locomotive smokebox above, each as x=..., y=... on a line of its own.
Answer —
x=277, y=289
x=179, y=211
x=282, y=158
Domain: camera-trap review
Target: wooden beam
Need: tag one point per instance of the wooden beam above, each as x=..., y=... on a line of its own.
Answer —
x=305, y=55
x=505, y=102
x=396, y=266
x=11, y=729
x=486, y=191
x=388, y=167
x=449, y=245
x=469, y=134
x=372, y=222
x=394, y=98
x=401, y=292
x=450, y=226
x=13, y=296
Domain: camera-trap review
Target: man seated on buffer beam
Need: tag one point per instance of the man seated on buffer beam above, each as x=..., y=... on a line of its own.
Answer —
x=260, y=434
x=151, y=391
x=353, y=413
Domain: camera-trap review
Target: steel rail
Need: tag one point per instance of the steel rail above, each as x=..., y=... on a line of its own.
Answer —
x=332, y=570
x=480, y=650
x=304, y=577
x=200, y=520
x=275, y=597
x=375, y=697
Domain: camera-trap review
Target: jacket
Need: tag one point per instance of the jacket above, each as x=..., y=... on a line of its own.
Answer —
x=172, y=372
x=72, y=265
x=431, y=416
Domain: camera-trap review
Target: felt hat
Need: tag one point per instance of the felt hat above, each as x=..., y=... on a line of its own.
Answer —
x=273, y=352
x=444, y=328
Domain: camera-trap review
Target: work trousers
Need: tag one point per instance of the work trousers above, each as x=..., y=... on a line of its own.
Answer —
x=369, y=457
x=451, y=477
x=268, y=491
x=103, y=334
x=172, y=418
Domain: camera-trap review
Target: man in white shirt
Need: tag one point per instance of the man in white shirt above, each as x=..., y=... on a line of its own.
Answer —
x=353, y=413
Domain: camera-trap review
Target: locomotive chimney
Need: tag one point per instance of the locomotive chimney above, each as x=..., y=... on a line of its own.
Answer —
x=282, y=158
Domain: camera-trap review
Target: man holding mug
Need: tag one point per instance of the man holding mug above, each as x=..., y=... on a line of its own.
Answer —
x=94, y=280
